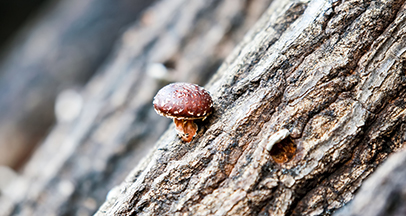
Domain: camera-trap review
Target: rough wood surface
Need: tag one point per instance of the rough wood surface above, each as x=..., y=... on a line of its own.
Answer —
x=331, y=72
x=80, y=161
x=382, y=194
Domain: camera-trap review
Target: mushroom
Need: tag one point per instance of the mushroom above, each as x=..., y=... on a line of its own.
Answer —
x=183, y=102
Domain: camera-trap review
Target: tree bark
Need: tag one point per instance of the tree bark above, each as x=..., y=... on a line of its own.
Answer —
x=382, y=194
x=329, y=74
x=80, y=160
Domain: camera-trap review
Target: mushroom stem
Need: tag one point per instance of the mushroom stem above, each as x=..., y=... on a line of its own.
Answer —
x=186, y=129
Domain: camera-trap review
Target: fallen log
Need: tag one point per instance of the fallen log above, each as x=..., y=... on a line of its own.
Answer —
x=329, y=76
x=82, y=159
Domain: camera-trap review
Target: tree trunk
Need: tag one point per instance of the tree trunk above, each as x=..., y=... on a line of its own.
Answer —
x=80, y=160
x=329, y=75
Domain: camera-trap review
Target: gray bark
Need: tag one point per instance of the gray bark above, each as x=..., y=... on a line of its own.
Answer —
x=382, y=194
x=80, y=161
x=331, y=73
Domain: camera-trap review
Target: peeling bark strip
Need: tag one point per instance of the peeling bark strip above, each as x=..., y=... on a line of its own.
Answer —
x=331, y=72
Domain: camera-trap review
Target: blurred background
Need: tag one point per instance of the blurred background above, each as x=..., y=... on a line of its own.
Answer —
x=77, y=78
x=13, y=14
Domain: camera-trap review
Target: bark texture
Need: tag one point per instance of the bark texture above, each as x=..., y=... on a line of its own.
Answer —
x=331, y=73
x=382, y=194
x=176, y=40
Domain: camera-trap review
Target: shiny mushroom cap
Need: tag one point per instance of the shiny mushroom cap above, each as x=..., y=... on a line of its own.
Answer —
x=183, y=101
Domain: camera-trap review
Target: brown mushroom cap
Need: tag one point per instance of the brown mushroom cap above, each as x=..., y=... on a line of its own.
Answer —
x=183, y=101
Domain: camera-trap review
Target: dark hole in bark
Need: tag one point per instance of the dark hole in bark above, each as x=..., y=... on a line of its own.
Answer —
x=283, y=151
